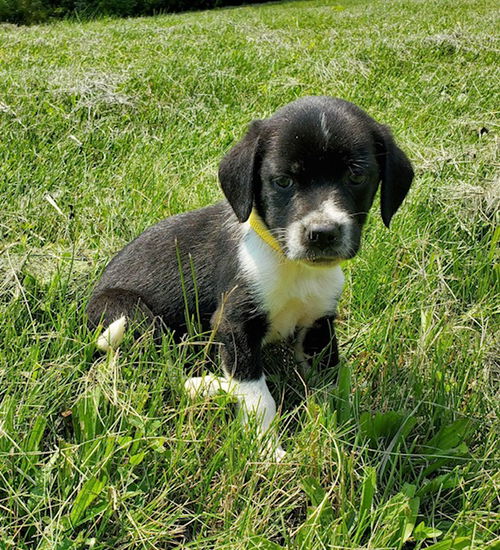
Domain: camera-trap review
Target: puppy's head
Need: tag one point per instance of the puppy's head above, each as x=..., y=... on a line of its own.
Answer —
x=311, y=171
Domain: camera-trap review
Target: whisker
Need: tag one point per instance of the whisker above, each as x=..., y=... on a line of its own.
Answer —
x=358, y=213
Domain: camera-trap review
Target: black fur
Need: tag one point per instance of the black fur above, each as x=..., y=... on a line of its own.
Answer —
x=396, y=174
x=321, y=340
x=239, y=172
x=156, y=269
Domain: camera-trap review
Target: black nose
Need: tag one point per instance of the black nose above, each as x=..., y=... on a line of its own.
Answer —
x=324, y=235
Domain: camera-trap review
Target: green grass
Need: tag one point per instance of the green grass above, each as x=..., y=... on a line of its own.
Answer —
x=108, y=126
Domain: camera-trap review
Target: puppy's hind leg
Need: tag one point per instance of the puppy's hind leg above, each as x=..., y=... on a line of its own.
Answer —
x=112, y=309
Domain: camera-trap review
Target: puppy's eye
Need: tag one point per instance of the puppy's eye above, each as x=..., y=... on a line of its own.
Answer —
x=283, y=182
x=357, y=179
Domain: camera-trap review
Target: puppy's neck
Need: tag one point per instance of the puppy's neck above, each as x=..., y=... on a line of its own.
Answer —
x=263, y=232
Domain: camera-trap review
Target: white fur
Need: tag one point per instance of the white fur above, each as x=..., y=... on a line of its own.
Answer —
x=327, y=214
x=207, y=385
x=300, y=355
x=112, y=337
x=293, y=294
x=255, y=399
x=324, y=126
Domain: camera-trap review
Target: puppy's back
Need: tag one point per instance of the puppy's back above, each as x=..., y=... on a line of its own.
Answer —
x=182, y=260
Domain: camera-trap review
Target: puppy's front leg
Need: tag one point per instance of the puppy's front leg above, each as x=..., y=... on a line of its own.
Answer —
x=241, y=332
x=318, y=341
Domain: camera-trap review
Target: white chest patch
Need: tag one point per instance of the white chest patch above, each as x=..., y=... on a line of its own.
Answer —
x=293, y=294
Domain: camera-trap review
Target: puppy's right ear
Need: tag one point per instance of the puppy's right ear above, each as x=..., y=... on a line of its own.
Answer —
x=238, y=172
x=396, y=174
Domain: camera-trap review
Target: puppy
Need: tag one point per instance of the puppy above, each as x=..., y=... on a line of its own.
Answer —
x=263, y=265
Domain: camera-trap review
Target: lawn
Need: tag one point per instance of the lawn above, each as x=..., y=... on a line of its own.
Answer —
x=108, y=126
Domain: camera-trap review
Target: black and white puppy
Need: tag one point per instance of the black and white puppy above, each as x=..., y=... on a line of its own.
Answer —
x=265, y=261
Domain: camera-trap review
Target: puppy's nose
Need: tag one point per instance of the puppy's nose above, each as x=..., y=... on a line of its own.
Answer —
x=324, y=235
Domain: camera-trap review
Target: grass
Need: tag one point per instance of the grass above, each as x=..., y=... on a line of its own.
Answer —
x=108, y=126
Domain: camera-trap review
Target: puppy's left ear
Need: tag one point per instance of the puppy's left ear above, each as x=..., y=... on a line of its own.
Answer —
x=239, y=172
x=396, y=174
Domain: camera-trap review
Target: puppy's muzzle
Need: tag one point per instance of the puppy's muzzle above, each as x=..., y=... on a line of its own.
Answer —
x=322, y=236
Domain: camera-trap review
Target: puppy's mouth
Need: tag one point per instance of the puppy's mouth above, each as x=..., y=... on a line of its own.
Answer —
x=319, y=259
x=315, y=255
x=328, y=260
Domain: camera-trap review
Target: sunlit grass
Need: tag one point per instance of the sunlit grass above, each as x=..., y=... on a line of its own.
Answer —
x=109, y=126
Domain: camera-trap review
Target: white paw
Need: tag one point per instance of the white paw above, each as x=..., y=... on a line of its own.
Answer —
x=204, y=385
x=194, y=387
x=278, y=454
x=273, y=452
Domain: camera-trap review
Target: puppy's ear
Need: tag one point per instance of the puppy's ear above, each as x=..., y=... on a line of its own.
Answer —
x=238, y=172
x=396, y=174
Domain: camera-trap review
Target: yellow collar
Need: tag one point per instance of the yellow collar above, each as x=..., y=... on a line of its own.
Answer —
x=263, y=232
